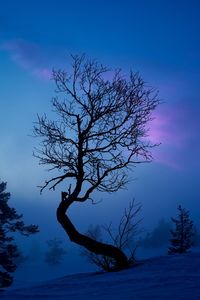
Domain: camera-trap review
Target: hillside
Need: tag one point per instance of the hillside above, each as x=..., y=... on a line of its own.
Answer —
x=166, y=277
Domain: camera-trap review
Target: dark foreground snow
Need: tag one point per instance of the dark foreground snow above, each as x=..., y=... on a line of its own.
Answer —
x=167, y=277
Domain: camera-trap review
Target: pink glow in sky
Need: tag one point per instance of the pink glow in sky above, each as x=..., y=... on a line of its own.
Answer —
x=166, y=128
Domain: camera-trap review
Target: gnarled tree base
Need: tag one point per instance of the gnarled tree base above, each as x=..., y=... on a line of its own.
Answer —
x=87, y=242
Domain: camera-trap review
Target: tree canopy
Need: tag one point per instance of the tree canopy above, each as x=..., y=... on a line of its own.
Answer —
x=10, y=222
x=100, y=128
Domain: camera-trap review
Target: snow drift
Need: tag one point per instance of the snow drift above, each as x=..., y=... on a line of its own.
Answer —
x=167, y=277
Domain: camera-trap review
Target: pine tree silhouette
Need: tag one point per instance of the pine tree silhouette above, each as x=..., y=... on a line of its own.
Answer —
x=10, y=221
x=55, y=253
x=182, y=235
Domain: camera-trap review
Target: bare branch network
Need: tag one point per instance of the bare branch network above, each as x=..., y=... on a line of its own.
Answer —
x=124, y=237
x=100, y=130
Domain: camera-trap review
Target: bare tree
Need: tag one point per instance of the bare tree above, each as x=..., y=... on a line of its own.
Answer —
x=123, y=237
x=100, y=132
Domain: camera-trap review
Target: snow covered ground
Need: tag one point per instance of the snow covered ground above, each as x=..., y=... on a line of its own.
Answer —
x=165, y=277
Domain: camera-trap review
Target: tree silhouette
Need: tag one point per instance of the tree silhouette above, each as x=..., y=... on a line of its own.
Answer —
x=123, y=237
x=55, y=252
x=10, y=221
x=158, y=237
x=100, y=132
x=182, y=235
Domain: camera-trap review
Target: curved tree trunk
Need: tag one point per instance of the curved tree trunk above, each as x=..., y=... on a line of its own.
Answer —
x=87, y=242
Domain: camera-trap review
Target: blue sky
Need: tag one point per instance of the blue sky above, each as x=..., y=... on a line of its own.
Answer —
x=160, y=39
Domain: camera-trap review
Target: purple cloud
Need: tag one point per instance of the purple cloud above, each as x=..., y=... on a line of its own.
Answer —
x=165, y=127
x=28, y=56
x=176, y=127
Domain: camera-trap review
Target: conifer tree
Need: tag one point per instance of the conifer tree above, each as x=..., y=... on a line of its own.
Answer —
x=55, y=252
x=182, y=235
x=10, y=221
